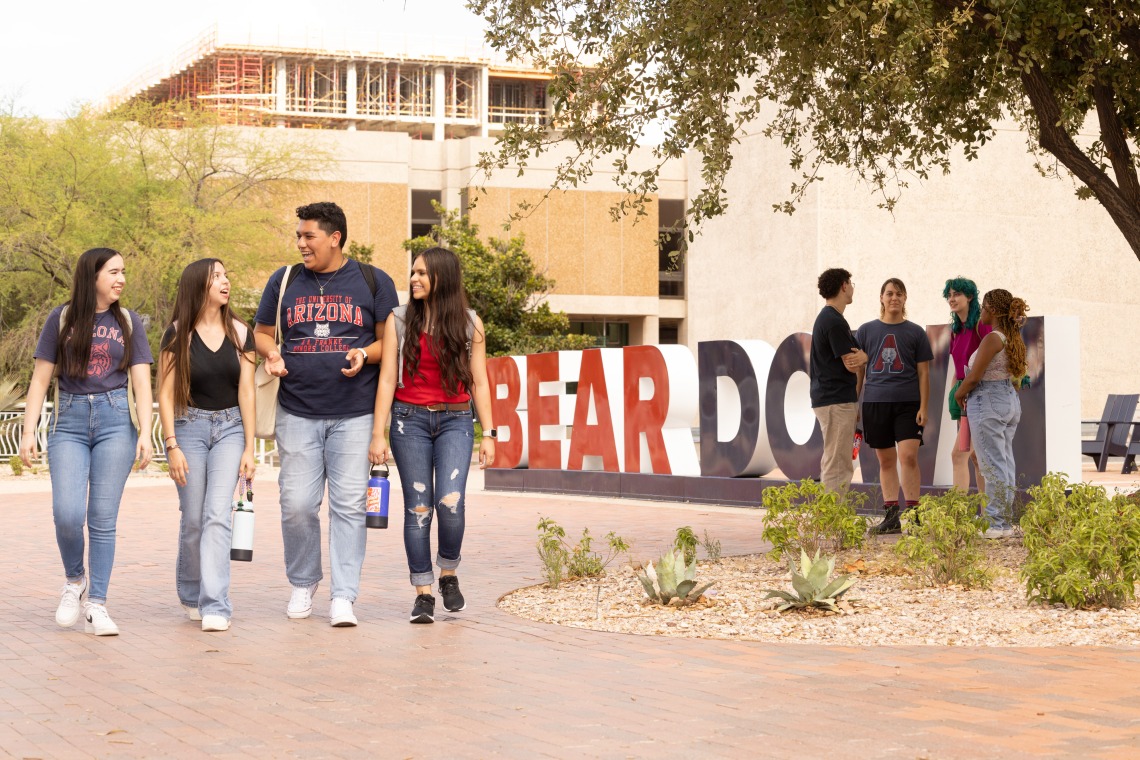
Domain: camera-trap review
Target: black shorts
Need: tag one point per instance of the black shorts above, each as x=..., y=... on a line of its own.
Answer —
x=885, y=423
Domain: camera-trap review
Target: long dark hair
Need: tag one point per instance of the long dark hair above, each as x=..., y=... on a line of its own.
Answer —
x=189, y=304
x=73, y=353
x=448, y=332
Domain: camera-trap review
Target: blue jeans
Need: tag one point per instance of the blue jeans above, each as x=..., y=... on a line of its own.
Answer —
x=91, y=449
x=212, y=443
x=994, y=410
x=433, y=454
x=314, y=452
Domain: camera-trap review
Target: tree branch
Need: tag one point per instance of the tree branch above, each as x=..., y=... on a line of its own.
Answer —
x=1116, y=144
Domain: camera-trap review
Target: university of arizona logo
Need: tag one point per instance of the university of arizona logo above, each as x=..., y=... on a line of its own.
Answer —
x=100, y=363
x=887, y=358
x=322, y=330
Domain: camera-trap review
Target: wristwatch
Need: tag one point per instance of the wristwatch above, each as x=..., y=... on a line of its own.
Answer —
x=492, y=433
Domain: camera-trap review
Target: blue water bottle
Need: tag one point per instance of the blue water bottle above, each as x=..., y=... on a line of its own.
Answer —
x=376, y=506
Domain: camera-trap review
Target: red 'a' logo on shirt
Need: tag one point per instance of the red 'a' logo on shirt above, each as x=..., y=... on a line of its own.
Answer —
x=887, y=358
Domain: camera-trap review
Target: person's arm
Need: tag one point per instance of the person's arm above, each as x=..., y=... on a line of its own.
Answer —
x=923, y=392
x=385, y=392
x=176, y=464
x=247, y=393
x=37, y=392
x=144, y=405
x=264, y=337
x=370, y=354
x=481, y=394
x=989, y=348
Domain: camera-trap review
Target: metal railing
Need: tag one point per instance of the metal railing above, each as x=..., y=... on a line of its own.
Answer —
x=12, y=429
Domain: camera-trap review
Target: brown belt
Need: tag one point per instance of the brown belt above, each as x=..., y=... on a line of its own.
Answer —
x=464, y=407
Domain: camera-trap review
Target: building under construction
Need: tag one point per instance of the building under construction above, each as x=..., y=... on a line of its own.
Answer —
x=428, y=97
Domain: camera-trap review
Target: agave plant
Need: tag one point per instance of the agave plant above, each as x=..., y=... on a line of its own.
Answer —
x=672, y=582
x=811, y=586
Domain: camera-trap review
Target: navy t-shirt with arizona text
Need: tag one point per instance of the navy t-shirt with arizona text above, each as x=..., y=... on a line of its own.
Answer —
x=319, y=330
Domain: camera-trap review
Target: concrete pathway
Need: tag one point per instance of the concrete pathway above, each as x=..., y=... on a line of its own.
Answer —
x=482, y=683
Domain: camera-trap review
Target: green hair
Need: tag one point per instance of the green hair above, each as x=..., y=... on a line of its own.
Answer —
x=966, y=288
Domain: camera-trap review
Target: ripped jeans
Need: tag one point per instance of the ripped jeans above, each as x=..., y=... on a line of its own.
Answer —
x=433, y=454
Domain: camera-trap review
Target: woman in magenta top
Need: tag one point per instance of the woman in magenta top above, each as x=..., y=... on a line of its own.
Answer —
x=433, y=364
x=965, y=336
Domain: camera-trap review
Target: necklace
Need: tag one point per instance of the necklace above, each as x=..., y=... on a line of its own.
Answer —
x=321, y=287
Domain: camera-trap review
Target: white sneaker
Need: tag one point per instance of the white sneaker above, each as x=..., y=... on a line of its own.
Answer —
x=301, y=602
x=1000, y=533
x=70, y=603
x=98, y=621
x=340, y=613
x=192, y=612
x=215, y=623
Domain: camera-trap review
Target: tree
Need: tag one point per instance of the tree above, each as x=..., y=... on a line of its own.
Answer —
x=887, y=88
x=161, y=186
x=503, y=287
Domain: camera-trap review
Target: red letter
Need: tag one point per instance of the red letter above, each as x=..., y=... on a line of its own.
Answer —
x=502, y=370
x=645, y=416
x=597, y=439
x=542, y=410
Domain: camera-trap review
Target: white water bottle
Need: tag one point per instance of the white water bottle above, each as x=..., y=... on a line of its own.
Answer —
x=241, y=534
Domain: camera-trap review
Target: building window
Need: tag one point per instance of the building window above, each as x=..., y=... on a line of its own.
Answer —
x=670, y=259
x=424, y=217
x=668, y=333
x=606, y=333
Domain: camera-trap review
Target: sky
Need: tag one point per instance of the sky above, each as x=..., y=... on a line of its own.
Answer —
x=59, y=55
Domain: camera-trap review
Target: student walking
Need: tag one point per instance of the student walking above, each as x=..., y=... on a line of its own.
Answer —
x=895, y=397
x=435, y=363
x=966, y=335
x=989, y=393
x=97, y=347
x=205, y=404
x=332, y=312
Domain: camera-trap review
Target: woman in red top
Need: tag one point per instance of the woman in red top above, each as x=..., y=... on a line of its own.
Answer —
x=966, y=335
x=434, y=362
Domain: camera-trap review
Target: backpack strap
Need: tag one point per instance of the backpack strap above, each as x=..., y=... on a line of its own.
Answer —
x=369, y=273
x=291, y=273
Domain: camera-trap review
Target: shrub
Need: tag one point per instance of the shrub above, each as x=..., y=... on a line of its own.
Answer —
x=1084, y=547
x=671, y=580
x=561, y=560
x=943, y=540
x=712, y=547
x=811, y=586
x=686, y=543
x=17, y=465
x=806, y=516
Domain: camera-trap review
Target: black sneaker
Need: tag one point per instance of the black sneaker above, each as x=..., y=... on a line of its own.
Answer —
x=890, y=523
x=424, y=611
x=449, y=590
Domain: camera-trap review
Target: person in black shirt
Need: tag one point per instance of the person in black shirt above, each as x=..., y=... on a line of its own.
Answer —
x=836, y=376
x=206, y=405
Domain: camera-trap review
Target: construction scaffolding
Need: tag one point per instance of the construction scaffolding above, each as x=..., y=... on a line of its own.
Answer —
x=517, y=101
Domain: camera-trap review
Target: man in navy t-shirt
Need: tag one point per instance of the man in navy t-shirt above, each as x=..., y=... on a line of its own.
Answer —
x=836, y=369
x=332, y=321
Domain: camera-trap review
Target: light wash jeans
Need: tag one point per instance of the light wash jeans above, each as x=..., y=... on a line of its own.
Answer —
x=433, y=454
x=91, y=449
x=212, y=443
x=993, y=410
x=314, y=452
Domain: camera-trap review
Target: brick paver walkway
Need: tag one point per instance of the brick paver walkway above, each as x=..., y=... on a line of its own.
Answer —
x=482, y=683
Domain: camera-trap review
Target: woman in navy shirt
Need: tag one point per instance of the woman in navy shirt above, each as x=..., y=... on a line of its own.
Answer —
x=92, y=442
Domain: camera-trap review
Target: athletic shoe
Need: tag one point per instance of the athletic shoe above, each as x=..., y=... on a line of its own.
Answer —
x=449, y=590
x=424, y=611
x=340, y=613
x=192, y=612
x=98, y=621
x=70, y=602
x=1000, y=533
x=301, y=602
x=215, y=623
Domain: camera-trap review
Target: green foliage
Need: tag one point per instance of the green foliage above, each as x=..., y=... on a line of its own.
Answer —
x=888, y=89
x=712, y=547
x=16, y=464
x=943, y=540
x=504, y=289
x=672, y=581
x=811, y=586
x=686, y=543
x=562, y=561
x=806, y=516
x=360, y=252
x=162, y=196
x=1083, y=547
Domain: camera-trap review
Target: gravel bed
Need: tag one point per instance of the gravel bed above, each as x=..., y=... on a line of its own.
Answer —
x=885, y=607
